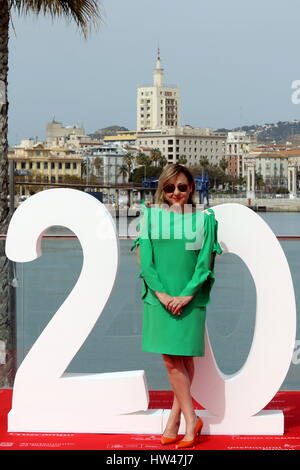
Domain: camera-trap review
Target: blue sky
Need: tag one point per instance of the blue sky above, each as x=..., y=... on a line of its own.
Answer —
x=234, y=62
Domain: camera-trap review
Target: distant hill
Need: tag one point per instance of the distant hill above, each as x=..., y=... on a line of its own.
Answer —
x=110, y=130
x=278, y=133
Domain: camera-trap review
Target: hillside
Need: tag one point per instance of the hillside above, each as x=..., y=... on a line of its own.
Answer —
x=110, y=130
x=278, y=133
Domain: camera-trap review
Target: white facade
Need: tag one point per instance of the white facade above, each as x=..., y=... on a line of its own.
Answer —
x=273, y=163
x=158, y=106
x=194, y=143
x=273, y=168
x=112, y=160
x=238, y=146
x=123, y=140
x=27, y=143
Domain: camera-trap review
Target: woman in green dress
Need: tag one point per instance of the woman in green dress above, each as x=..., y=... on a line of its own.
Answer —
x=176, y=246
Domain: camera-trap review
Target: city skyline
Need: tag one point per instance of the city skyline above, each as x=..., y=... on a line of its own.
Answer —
x=231, y=64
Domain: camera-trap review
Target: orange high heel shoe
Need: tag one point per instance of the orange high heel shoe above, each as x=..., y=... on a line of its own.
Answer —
x=168, y=440
x=182, y=444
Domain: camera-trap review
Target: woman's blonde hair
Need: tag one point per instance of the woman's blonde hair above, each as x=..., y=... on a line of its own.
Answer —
x=171, y=170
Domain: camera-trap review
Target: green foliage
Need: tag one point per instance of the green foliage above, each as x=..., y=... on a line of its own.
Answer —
x=110, y=130
x=84, y=13
x=182, y=160
x=223, y=164
x=138, y=174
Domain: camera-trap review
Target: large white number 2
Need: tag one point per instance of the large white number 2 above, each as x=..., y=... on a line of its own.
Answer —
x=45, y=399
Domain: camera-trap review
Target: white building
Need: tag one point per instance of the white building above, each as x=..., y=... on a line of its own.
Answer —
x=111, y=159
x=158, y=106
x=121, y=139
x=273, y=167
x=27, y=143
x=238, y=146
x=192, y=142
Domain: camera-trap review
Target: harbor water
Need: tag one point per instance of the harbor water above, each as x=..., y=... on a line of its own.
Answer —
x=114, y=343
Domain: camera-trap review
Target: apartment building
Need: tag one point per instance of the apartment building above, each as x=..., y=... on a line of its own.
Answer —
x=158, y=106
x=110, y=159
x=238, y=146
x=192, y=142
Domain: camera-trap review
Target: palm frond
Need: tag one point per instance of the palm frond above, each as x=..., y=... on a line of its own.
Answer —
x=85, y=13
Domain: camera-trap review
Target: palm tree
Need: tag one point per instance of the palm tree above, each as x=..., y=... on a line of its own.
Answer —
x=162, y=162
x=204, y=162
x=123, y=171
x=259, y=180
x=128, y=160
x=216, y=175
x=85, y=14
x=182, y=160
x=144, y=160
x=223, y=164
x=98, y=164
x=155, y=155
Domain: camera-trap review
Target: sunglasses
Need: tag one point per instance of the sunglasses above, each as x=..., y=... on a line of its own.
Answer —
x=170, y=188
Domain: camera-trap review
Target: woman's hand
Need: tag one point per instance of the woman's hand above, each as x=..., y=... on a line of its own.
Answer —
x=173, y=304
x=177, y=303
x=165, y=299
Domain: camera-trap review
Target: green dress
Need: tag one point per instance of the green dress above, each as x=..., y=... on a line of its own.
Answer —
x=177, y=256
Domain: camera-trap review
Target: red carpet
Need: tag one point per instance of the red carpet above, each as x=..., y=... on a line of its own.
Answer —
x=289, y=402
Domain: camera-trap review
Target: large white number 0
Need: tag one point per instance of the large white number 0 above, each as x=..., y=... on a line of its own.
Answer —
x=45, y=399
x=236, y=400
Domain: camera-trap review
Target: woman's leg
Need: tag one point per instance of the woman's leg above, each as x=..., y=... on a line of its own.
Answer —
x=180, y=370
x=173, y=422
x=189, y=365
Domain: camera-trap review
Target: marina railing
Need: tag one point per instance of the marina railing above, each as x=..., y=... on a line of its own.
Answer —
x=41, y=286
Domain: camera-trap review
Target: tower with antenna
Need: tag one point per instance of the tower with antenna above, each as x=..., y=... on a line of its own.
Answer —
x=158, y=105
x=158, y=76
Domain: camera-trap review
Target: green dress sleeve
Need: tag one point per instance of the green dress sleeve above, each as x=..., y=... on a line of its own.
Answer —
x=147, y=268
x=204, y=269
x=138, y=227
